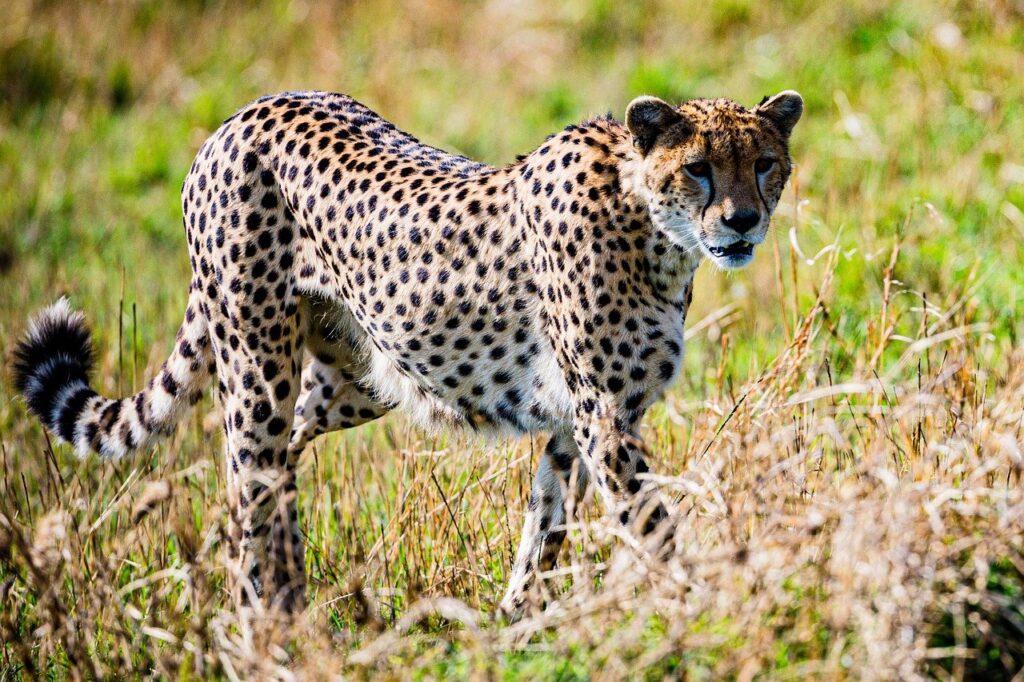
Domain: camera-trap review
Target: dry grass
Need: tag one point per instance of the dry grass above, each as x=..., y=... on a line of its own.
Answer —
x=844, y=448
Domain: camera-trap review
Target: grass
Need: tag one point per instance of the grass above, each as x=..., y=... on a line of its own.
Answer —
x=844, y=443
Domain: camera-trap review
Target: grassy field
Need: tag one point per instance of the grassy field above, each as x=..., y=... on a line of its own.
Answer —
x=844, y=444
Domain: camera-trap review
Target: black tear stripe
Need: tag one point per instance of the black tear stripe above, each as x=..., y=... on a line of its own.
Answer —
x=757, y=183
x=711, y=177
x=711, y=197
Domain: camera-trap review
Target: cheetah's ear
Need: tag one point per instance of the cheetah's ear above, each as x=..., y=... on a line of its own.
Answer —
x=647, y=117
x=784, y=110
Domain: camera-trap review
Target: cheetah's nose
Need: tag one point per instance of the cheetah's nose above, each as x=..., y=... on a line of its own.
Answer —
x=742, y=221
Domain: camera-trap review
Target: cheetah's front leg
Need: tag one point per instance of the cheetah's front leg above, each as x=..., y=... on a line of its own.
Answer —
x=612, y=449
x=558, y=484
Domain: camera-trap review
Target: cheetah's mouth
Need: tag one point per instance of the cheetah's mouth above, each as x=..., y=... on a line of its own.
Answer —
x=740, y=248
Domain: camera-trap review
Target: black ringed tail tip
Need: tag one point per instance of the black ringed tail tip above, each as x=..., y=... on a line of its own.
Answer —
x=52, y=363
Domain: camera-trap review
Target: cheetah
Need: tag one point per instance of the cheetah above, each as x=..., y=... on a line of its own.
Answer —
x=342, y=269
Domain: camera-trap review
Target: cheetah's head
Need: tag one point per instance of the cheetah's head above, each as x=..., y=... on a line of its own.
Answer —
x=713, y=171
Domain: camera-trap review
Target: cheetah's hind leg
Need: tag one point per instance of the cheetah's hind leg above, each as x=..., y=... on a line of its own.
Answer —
x=331, y=398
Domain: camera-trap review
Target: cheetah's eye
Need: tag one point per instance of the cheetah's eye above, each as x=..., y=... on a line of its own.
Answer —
x=699, y=169
x=764, y=164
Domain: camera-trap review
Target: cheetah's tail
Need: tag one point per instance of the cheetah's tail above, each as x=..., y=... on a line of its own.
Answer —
x=51, y=369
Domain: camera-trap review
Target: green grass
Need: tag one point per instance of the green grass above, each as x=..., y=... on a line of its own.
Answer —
x=911, y=137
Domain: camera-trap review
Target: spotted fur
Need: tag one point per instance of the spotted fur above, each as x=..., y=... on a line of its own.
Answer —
x=342, y=269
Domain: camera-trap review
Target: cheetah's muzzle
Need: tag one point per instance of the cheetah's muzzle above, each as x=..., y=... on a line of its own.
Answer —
x=735, y=249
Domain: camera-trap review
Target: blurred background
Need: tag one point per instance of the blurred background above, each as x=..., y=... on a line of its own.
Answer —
x=905, y=215
x=913, y=127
